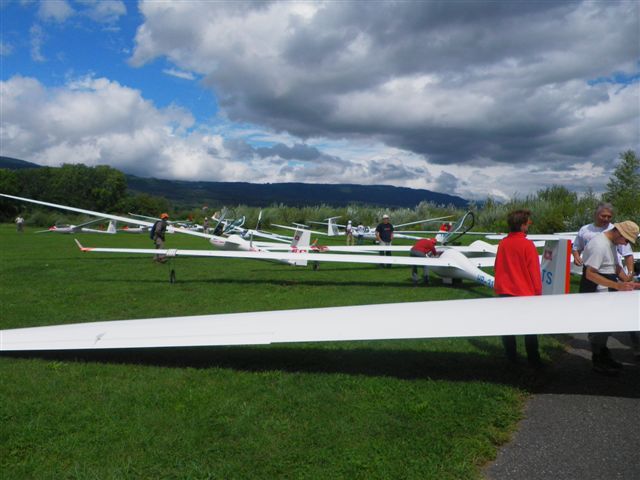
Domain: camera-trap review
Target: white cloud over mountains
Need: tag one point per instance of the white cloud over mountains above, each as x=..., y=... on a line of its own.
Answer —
x=475, y=98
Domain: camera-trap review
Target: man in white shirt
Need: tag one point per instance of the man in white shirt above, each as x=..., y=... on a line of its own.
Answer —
x=601, y=268
x=602, y=223
x=360, y=234
x=20, y=223
x=349, y=233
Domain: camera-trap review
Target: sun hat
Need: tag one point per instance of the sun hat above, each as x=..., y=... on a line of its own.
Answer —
x=628, y=230
x=385, y=216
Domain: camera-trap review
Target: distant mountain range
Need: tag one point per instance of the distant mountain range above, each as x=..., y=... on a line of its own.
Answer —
x=15, y=164
x=261, y=194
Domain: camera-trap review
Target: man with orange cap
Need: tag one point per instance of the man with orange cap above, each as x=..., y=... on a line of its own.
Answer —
x=159, y=230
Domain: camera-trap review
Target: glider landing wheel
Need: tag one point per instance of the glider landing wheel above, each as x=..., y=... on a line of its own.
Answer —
x=316, y=266
x=172, y=276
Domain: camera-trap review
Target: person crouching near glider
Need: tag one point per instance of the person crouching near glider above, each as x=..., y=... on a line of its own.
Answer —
x=601, y=267
x=425, y=247
x=159, y=231
x=517, y=270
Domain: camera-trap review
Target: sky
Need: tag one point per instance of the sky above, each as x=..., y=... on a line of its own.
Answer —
x=481, y=99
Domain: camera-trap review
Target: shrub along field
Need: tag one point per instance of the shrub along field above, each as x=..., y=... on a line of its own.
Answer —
x=385, y=409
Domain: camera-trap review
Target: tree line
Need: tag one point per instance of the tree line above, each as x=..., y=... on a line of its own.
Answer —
x=104, y=189
x=101, y=188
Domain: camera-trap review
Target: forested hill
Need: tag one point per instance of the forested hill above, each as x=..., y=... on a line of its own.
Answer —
x=255, y=194
x=15, y=164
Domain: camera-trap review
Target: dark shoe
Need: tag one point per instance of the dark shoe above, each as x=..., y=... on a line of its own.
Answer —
x=513, y=359
x=426, y=282
x=605, y=357
x=602, y=366
x=538, y=366
x=613, y=364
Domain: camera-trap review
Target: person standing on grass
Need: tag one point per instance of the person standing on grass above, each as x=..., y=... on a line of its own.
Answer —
x=360, y=233
x=517, y=274
x=425, y=247
x=602, y=222
x=349, y=233
x=384, y=236
x=159, y=231
x=601, y=268
x=20, y=224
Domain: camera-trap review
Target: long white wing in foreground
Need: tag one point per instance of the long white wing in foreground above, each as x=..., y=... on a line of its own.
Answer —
x=595, y=312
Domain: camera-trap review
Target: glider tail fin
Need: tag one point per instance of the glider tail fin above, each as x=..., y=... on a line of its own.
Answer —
x=301, y=243
x=555, y=266
x=332, y=228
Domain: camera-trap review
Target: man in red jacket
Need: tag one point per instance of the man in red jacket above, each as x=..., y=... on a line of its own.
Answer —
x=422, y=248
x=517, y=274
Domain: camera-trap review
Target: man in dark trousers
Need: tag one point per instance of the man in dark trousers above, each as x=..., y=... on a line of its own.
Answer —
x=601, y=267
x=159, y=230
x=384, y=236
x=425, y=247
x=517, y=270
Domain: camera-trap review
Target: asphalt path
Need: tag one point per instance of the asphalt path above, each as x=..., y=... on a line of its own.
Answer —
x=578, y=424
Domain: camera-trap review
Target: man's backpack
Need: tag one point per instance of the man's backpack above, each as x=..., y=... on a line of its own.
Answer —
x=152, y=232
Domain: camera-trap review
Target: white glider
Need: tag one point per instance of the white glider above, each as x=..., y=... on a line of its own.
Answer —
x=68, y=229
x=451, y=264
x=232, y=242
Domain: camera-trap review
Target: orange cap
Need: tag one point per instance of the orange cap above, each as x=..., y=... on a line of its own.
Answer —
x=164, y=215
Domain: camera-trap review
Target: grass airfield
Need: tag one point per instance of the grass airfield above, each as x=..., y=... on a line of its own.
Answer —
x=384, y=409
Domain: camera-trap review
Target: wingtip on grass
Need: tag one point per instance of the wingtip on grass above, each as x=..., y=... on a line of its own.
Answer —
x=82, y=249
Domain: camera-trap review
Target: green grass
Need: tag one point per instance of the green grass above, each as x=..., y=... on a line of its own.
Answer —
x=386, y=409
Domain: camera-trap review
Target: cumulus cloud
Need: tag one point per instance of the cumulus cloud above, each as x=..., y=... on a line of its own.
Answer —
x=55, y=10
x=100, y=11
x=179, y=74
x=97, y=121
x=473, y=98
x=471, y=83
x=37, y=38
x=104, y=11
x=446, y=182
